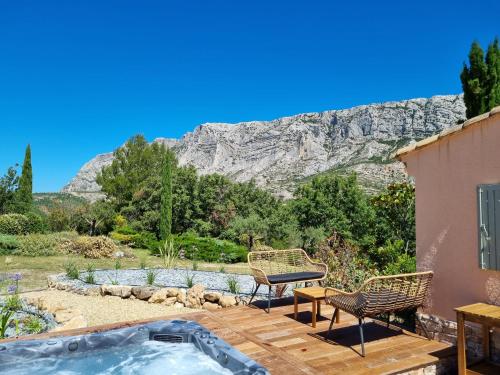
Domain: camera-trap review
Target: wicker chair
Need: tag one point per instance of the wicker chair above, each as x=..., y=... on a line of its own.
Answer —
x=379, y=295
x=277, y=267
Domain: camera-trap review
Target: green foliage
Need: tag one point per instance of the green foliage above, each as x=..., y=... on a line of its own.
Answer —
x=311, y=238
x=14, y=224
x=151, y=276
x=35, y=245
x=90, y=276
x=336, y=203
x=5, y=319
x=8, y=244
x=247, y=230
x=169, y=254
x=8, y=186
x=481, y=79
x=35, y=223
x=189, y=280
x=33, y=324
x=24, y=193
x=133, y=166
x=395, y=209
x=232, y=284
x=348, y=267
x=71, y=270
x=210, y=249
x=94, y=219
x=143, y=263
x=166, y=196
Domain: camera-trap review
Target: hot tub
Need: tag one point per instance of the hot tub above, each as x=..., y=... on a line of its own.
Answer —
x=164, y=347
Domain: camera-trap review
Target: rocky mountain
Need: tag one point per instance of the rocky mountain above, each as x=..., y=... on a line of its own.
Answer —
x=281, y=153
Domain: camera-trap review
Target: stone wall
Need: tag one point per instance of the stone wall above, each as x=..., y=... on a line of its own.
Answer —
x=446, y=331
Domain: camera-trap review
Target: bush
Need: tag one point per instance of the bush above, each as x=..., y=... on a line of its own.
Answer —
x=36, y=223
x=15, y=224
x=347, y=266
x=127, y=236
x=209, y=249
x=8, y=244
x=37, y=245
x=94, y=247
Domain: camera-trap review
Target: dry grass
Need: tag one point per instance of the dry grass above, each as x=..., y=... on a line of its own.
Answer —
x=36, y=269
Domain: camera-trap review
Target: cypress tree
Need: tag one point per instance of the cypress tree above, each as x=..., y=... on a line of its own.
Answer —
x=25, y=189
x=473, y=79
x=166, y=197
x=481, y=79
x=493, y=73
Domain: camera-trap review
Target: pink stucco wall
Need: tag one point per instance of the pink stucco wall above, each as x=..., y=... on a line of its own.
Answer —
x=446, y=174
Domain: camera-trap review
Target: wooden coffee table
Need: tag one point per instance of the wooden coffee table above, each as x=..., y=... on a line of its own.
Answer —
x=315, y=294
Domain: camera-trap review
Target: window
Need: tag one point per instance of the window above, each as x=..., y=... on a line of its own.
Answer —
x=489, y=226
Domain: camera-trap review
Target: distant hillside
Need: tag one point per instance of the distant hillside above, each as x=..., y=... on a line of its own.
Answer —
x=43, y=202
x=281, y=153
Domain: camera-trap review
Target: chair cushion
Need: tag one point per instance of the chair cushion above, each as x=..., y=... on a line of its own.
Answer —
x=294, y=276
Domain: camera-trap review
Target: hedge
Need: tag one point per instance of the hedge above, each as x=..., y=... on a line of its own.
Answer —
x=210, y=249
x=18, y=224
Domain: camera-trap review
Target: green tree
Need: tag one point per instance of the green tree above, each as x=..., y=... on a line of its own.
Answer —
x=493, y=74
x=480, y=79
x=166, y=197
x=8, y=186
x=395, y=209
x=24, y=194
x=247, y=230
x=333, y=202
x=133, y=166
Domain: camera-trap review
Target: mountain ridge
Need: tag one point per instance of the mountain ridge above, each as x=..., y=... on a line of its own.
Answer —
x=280, y=153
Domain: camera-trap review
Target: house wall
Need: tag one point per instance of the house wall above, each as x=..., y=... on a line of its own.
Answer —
x=446, y=174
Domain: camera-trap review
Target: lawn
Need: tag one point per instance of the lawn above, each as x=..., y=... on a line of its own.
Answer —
x=36, y=269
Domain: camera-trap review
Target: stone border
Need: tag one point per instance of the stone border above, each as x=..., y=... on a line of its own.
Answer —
x=195, y=298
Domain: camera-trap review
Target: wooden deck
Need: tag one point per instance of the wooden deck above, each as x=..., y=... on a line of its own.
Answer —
x=291, y=347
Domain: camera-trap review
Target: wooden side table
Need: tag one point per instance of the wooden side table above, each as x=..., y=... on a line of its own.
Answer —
x=315, y=294
x=486, y=315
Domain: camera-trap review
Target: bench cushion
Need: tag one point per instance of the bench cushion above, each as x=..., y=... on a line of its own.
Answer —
x=294, y=276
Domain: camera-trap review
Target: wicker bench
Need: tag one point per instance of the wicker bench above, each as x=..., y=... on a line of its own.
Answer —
x=381, y=295
x=278, y=267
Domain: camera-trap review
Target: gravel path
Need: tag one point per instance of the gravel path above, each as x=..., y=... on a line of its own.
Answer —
x=215, y=281
x=104, y=310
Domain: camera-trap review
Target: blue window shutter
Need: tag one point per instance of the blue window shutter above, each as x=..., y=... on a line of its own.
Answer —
x=489, y=226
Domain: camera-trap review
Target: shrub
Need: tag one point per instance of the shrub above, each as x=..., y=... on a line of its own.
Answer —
x=150, y=276
x=37, y=245
x=8, y=244
x=14, y=224
x=127, y=236
x=94, y=247
x=71, y=270
x=210, y=249
x=90, y=276
x=233, y=284
x=348, y=269
x=35, y=223
x=169, y=254
x=33, y=324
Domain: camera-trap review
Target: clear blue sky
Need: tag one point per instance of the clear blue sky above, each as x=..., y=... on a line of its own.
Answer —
x=78, y=78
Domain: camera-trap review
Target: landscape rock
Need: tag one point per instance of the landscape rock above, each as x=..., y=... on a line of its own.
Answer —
x=143, y=292
x=122, y=291
x=170, y=301
x=278, y=153
x=227, y=301
x=212, y=296
x=159, y=296
x=210, y=306
x=172, y=292
x=194, y=296
x=181, y=297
